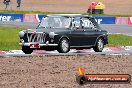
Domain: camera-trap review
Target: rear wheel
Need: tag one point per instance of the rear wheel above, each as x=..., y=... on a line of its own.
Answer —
x=27, y=50
x=99, y=45
x=63, y=46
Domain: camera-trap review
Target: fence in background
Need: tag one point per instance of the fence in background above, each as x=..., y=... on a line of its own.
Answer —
x=37, y=18
x=21, y=17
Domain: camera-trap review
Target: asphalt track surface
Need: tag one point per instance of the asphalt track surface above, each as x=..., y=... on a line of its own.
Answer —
x=107, y=51
x=70, y=54
x=111, y=28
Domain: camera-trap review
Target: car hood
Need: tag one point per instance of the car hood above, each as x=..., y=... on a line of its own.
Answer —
x=46, y=30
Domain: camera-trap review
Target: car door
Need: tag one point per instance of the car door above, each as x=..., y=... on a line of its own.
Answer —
x=77, y=33
x=91, y=32
x=77, y=38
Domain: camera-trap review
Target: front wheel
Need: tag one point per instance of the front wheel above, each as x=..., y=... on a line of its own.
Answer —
x=63, y=46
x=99, y=45
x=27, y=50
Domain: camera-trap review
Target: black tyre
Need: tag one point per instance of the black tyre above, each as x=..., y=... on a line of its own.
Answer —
x=81, y=80
x=99, y=45
x=63, y=46
x=27, y=50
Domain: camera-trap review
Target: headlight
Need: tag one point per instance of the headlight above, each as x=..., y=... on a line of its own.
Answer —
x=21, y=34
x=21, y=41
x=52, y=34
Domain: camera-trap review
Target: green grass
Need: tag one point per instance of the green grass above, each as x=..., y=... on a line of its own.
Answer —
x=120, y=40
x=33, y=12
x=9, y=39
x=39, y=12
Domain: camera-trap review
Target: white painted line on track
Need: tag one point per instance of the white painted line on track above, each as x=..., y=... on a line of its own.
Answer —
x=123, y=50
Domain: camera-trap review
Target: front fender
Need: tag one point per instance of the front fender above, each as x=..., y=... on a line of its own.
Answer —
x=58, y=38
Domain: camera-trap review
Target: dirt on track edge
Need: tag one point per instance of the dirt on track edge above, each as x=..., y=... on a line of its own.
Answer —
x=60, y=71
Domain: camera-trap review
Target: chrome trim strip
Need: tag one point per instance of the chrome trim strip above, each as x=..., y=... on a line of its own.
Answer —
x=83, y=46
x=28, y=44
x=36, y=32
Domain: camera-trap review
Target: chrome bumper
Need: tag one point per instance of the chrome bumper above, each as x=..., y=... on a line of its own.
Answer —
x=28, y=44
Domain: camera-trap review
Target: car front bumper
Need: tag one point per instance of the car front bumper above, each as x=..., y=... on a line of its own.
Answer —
x=41, y=45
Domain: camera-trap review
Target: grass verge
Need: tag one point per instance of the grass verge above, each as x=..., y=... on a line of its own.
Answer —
x=39, y=12
x=9, y=39
x=120, y=40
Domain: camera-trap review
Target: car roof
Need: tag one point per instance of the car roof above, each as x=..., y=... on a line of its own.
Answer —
x=69, y=15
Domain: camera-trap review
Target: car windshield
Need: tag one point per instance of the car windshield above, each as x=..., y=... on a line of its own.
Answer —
x=55, y=22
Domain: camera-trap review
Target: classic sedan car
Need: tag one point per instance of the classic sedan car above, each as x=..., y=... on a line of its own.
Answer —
x=63, y=32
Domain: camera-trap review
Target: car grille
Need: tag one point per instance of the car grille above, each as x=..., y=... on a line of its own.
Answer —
x=38, y=37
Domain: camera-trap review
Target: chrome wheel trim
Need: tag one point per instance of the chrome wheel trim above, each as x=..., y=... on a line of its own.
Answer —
x=65, y=45
x=100, y=45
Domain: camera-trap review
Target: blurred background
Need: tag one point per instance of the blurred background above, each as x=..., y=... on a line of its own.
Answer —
x=121, y=7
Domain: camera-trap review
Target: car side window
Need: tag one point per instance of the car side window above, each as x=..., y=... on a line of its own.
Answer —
x=76, y=22
x=87, y=24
